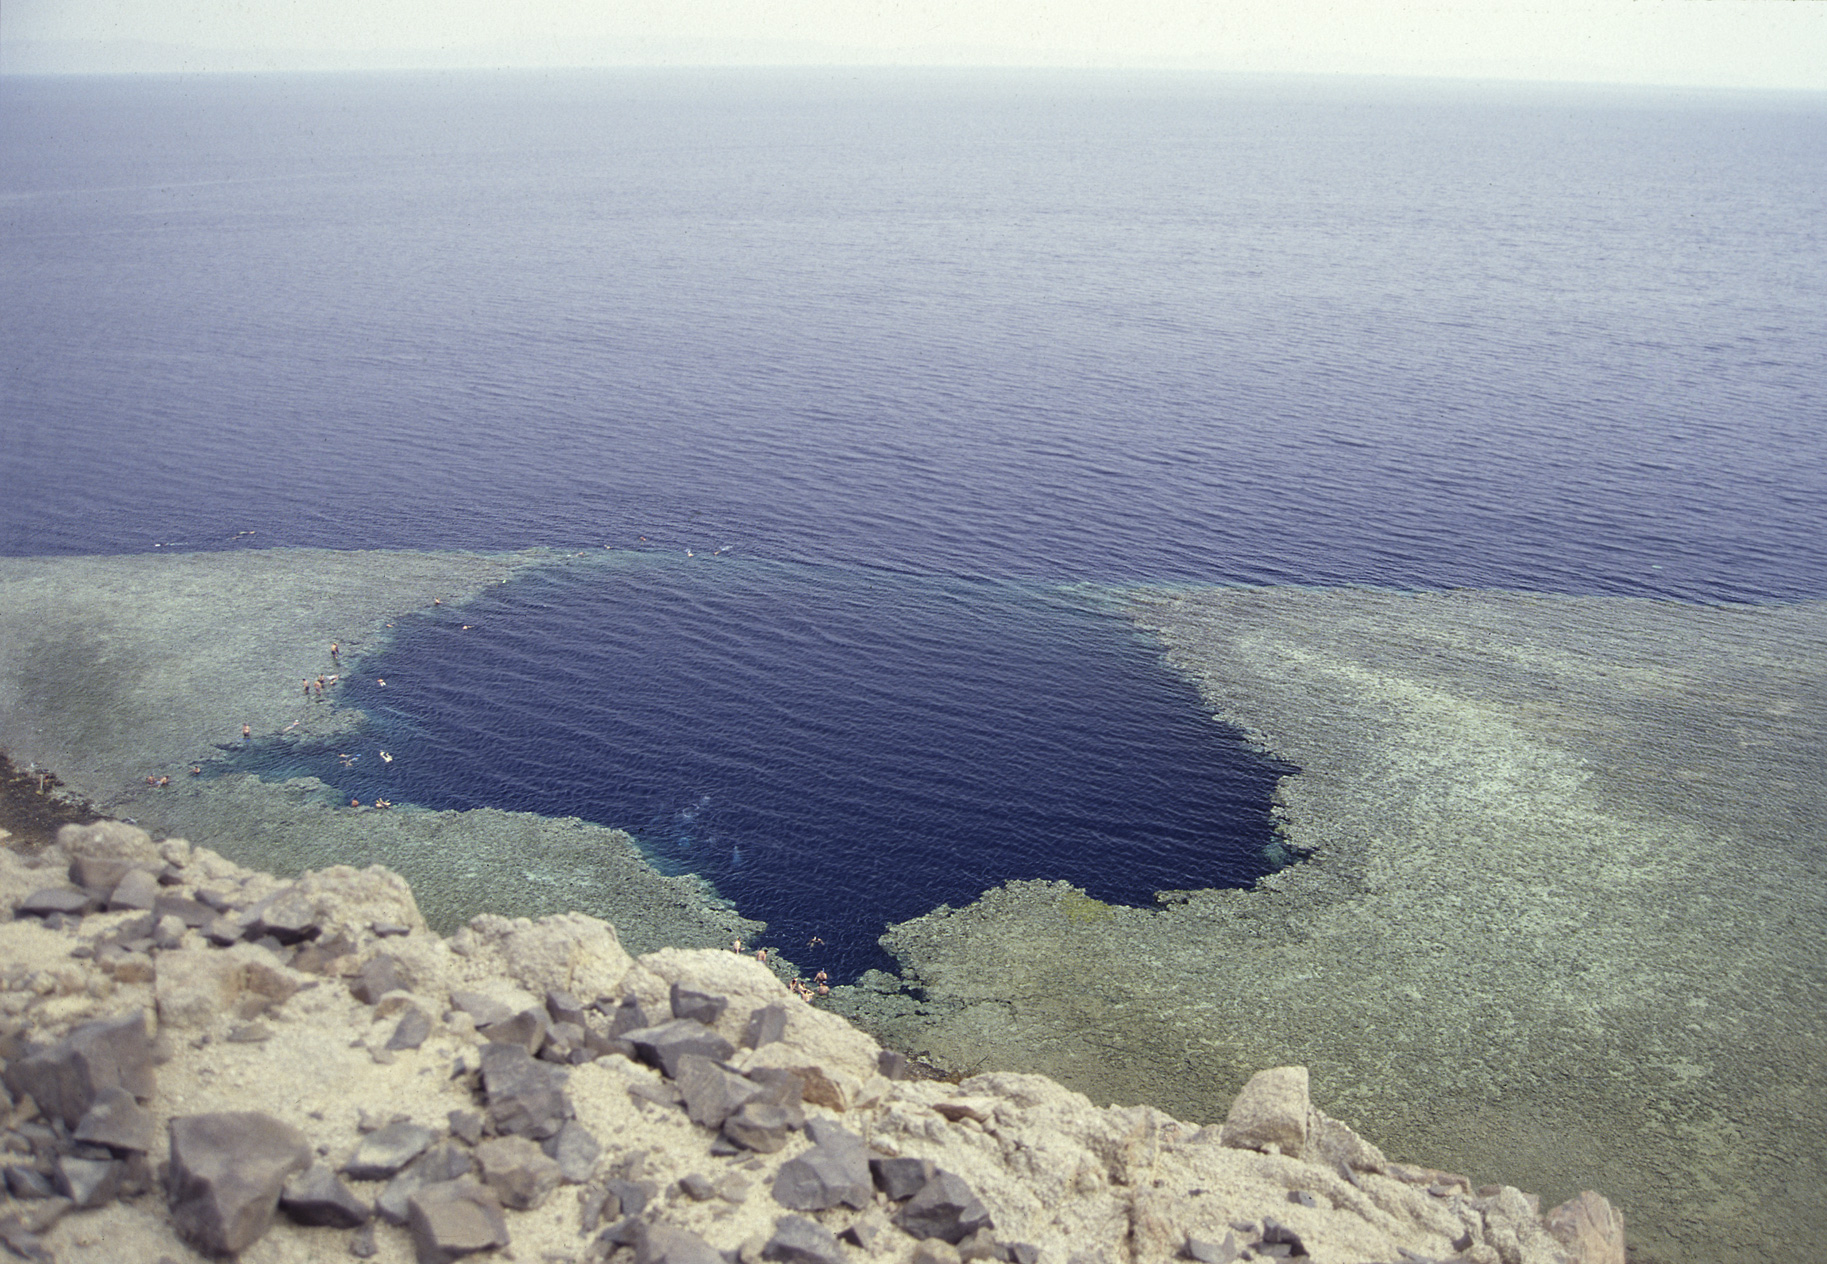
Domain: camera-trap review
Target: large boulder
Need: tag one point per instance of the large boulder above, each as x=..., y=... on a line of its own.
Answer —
x=227, y=1172
x=66, y=1078
x=570, y=952
x=1271, y=1111
x=455, y=1218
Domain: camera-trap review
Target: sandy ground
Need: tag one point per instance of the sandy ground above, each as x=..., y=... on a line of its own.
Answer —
x=1565, y=917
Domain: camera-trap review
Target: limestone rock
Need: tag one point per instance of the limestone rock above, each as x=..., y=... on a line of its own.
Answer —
x=195, y=985
x=1272, y=1110
x=111, y=840
x=227, y=1172
x=570, y=952
x=1590, y=1228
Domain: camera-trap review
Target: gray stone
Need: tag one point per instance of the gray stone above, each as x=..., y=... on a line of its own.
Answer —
x=765, y=1026
x=414, y=1027
x=441, y=1163
x=466, y=1125
x=193, y=913
x=625, y=1198
x=287, y=915
x=29, y=1182
x=945, y=1208
x=668, y=1244
x=88, y=1182
x=700, y=1007
x=117, y=1121
x=892, y=1065
x=484, y=1010
x=938, y=1251
x=562, y=1007
x=317, y=1196
x=566, y=1044
x=664, y=1045
x=763, y=1126
x=67, y=901
x=801, y=1241
x=99, y=874
x=137, y=890
x=65, y=1078
x=835, y=1170
x=982, y=1245
x=901, y=1178
x=519, y=1172
x=628, y=1016
x=22, y=1242
x=698, y=1187
x=527, y=1029
x=382, y=1153
x=864, y=1232
x=1275, y=1233
x=379, y=975
x=362, y=1244
x=712, y=1091
x=526, y=1097
x=576, y=1152
x=452, y=1219
x=227, y=1170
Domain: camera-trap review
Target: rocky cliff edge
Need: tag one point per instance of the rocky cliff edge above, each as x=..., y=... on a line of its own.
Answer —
x=202, y=1061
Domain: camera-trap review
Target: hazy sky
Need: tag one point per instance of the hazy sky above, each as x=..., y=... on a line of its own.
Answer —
x=1747, y=43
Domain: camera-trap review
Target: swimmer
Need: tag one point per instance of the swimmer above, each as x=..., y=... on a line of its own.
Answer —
x=164, y=781
x=386, y=757
x=355, y=803
x=335, y=653
x=381, y=683
x=196, y=770
x=246, y=732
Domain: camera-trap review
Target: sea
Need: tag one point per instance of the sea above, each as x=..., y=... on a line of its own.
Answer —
x=873, y=393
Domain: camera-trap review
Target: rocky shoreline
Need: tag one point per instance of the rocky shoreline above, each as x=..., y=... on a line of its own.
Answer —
x=201, y=1060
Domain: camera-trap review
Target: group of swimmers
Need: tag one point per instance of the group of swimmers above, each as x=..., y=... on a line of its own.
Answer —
x=821, y=982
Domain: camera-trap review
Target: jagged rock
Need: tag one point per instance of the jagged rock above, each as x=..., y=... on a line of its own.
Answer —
x=1206, y=1252
x=466, y=1125
x=29, y=1182
x=892, y=1065
x=288, y=915
x=569, y=952
x=864, y=1232
x=197, y=985
x=700, y=1007
x=801, y=1241
x=664, y=1045
x=575, y=1150
x=562, y=1007
x=55, y=901
x=98, y=875
x=835, y=1170
x=763, y=1126
x=227, y=1170
x=698, y=1187
x=1590, y=1228
x=192, y=913
x=945, y=1208
x=765, y=1026
x=625, y=1198
x=88, y=1182
x=414, y=1027
x=441, y=1163
x=382, y=1153
x=628, y=1016
x=668, y=1244
x=526, y=1029
x=117, y=1121
x=566, y=1044
x=1336, y=1145
x=526, y=1097
x=137, y=890
x=518, y=1171
x=317, y=1196
x=1272, y=1110
x=362, y=1244
x=900, y=1178
x=22, y=1242
x=484, y=1010
x=982, y=1245
x=452, y=1219
x=379, y=975
x=815, y=1082
x=712, y=1091
x=65, y=1078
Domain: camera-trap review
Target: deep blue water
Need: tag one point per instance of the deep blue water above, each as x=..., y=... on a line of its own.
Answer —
x=920, y=348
